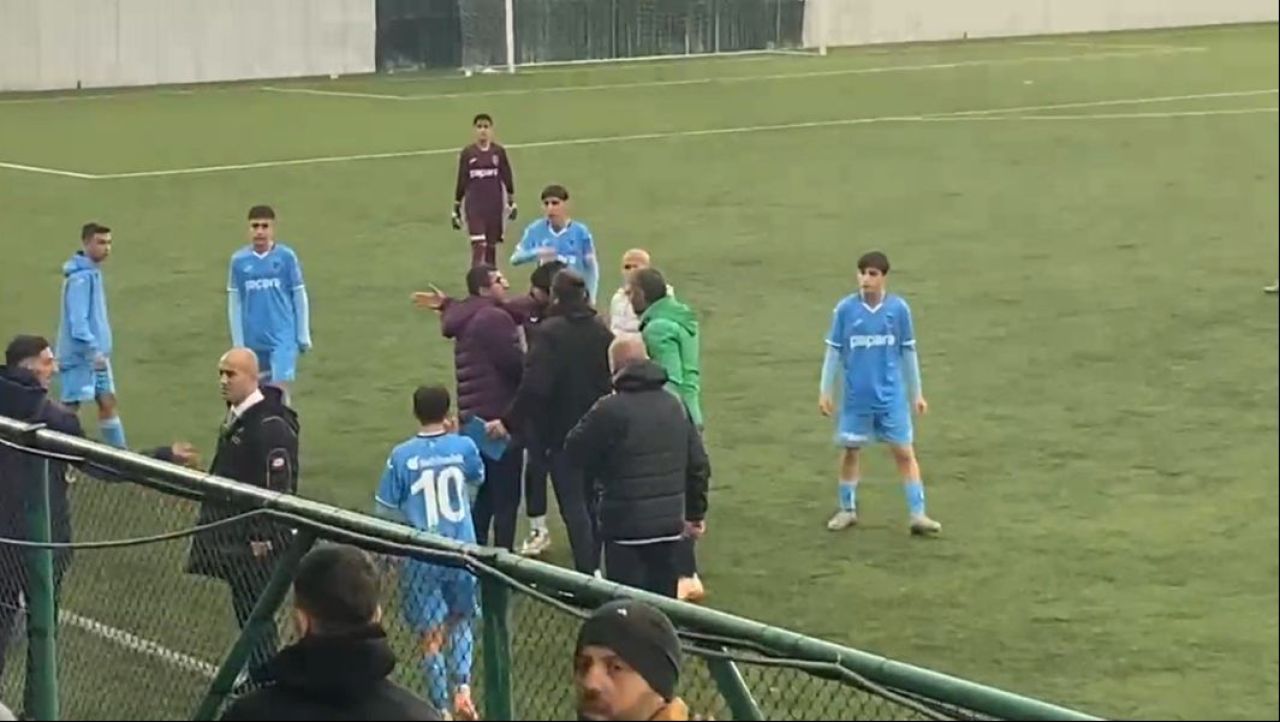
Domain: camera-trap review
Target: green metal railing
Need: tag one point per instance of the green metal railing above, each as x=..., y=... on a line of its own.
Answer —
x=132, y=621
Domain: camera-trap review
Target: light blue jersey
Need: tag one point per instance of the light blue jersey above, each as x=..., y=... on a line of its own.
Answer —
x=573, y=245
x=267, y=300
x=873, y=343
x=84, y=330
x=426, y=481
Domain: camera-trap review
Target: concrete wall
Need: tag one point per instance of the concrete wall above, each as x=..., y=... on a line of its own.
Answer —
x=51, y=44
x=860, y=22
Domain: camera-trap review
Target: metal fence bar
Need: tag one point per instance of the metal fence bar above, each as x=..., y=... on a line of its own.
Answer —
x=879, y=670
x=264, y=613
x=734, y=689
x=40, y=695
x=495, y=599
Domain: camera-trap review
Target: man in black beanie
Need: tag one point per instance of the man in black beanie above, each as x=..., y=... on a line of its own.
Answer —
x=626, y=665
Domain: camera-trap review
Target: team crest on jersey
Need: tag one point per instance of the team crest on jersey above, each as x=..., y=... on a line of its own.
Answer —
x=495, y=158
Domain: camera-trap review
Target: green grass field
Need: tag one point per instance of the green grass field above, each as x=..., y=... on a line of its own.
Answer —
x=1082, y=226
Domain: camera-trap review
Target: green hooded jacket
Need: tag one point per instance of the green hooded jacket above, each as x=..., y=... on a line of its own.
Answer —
x=670, y=332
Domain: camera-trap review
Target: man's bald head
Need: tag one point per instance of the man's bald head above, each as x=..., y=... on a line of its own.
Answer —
x=238, y=374
x=626, y=350
x=634, y=259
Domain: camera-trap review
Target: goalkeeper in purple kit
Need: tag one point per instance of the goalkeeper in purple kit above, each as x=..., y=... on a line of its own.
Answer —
x=872, y=344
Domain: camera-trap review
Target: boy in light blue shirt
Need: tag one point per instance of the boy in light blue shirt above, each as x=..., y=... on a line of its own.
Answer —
x=84, y=333
x=559, y=238
x=428, y=484
x=873, y=341
x=267, y=303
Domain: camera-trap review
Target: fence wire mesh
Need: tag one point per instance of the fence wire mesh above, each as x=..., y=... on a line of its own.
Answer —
x=140, y=637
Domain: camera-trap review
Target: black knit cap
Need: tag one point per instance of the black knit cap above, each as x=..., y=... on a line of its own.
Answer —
x=642, y=636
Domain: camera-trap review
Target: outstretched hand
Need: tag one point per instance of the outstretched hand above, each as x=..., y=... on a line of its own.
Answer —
x=185, y=454
x=432, y=299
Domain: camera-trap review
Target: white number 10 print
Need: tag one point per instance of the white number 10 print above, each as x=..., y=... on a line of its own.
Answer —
x=439, y=490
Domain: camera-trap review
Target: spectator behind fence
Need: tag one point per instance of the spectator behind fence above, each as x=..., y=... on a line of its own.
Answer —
x=488, y=362
x=339, y=668
x=645, y=452
x=29, y=368
x=257, y=445
x=566, y=372
x=626, y=665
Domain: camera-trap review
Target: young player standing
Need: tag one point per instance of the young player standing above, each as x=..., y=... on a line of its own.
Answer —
x=425, y=486
x=84, y=333
x=560, y=238
x=267, y=301
x=873, y=342
x=486, y=190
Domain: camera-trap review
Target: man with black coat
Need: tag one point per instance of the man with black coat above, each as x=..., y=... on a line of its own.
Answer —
x=29, y=368
x=257, y=445
x=339, y=668
x=565, y=373
x=643, y=448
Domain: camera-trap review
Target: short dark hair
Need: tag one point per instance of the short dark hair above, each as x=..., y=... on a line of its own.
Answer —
x=651, y=282
x=23, y=347
x=258, y=213
x=555, y=191
x=481, y=117
x=568, y=287
x=338, y=587
x=91, y=229
x=542, y=275
x=876, y=260
x=431, y=404
x=479, y=277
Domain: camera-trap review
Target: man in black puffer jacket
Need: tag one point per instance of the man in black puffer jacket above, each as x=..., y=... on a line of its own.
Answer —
x=339, y=669
x=565, y=373
x=645, y=452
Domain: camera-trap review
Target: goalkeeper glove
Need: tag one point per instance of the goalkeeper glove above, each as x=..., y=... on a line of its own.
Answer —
x=456, y=218
x=511, y=214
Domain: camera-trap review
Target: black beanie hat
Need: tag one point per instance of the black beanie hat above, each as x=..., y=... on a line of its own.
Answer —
x=642, y=636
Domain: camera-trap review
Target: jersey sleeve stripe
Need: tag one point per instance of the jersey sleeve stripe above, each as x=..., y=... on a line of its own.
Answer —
x=379, y=500
x=828, y=342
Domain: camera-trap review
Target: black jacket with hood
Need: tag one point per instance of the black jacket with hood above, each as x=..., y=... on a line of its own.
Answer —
x=332, y=678
x=565, y=373
x=647, y=456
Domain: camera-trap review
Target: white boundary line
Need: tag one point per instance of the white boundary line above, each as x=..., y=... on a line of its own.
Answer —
x=1102, y=116
x=1086, y=44
x=137, y=644
x=47, y=171
x=984, y=113
x=874, y=70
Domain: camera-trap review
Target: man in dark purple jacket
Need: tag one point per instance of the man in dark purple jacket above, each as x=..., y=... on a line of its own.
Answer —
x=488, y=362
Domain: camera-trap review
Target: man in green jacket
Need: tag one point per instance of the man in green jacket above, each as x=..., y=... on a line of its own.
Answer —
x=670, y=332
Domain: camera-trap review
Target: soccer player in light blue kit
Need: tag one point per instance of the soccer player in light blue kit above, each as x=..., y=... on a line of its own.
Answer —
x=559, y=238
x=427, y=484
x=267, y=301
x=84, y=333
x=873, y=342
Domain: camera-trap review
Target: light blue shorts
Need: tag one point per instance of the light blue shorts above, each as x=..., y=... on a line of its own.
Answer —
x=861, y=427
x=277, y=365
x=82, y=382
x=432, y=594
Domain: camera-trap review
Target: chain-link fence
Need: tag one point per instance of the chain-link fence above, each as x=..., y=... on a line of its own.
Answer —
x=139, y=636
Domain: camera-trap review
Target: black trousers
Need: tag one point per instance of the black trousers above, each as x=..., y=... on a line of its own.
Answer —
x=651, y=567
x=247, y=580
x=498, y=503
x=537, y=464
x=573, y=495
x=14, y=587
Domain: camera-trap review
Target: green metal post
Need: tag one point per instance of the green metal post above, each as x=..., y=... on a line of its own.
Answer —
x=264, y=613
x=495, y=600
x=734, y=689
x=40, y=695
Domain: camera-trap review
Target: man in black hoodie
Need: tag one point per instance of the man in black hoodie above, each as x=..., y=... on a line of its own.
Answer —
x=339, y=668
x=257, y=445
x=644, y=449
x=566, y=372
x=29, y=368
